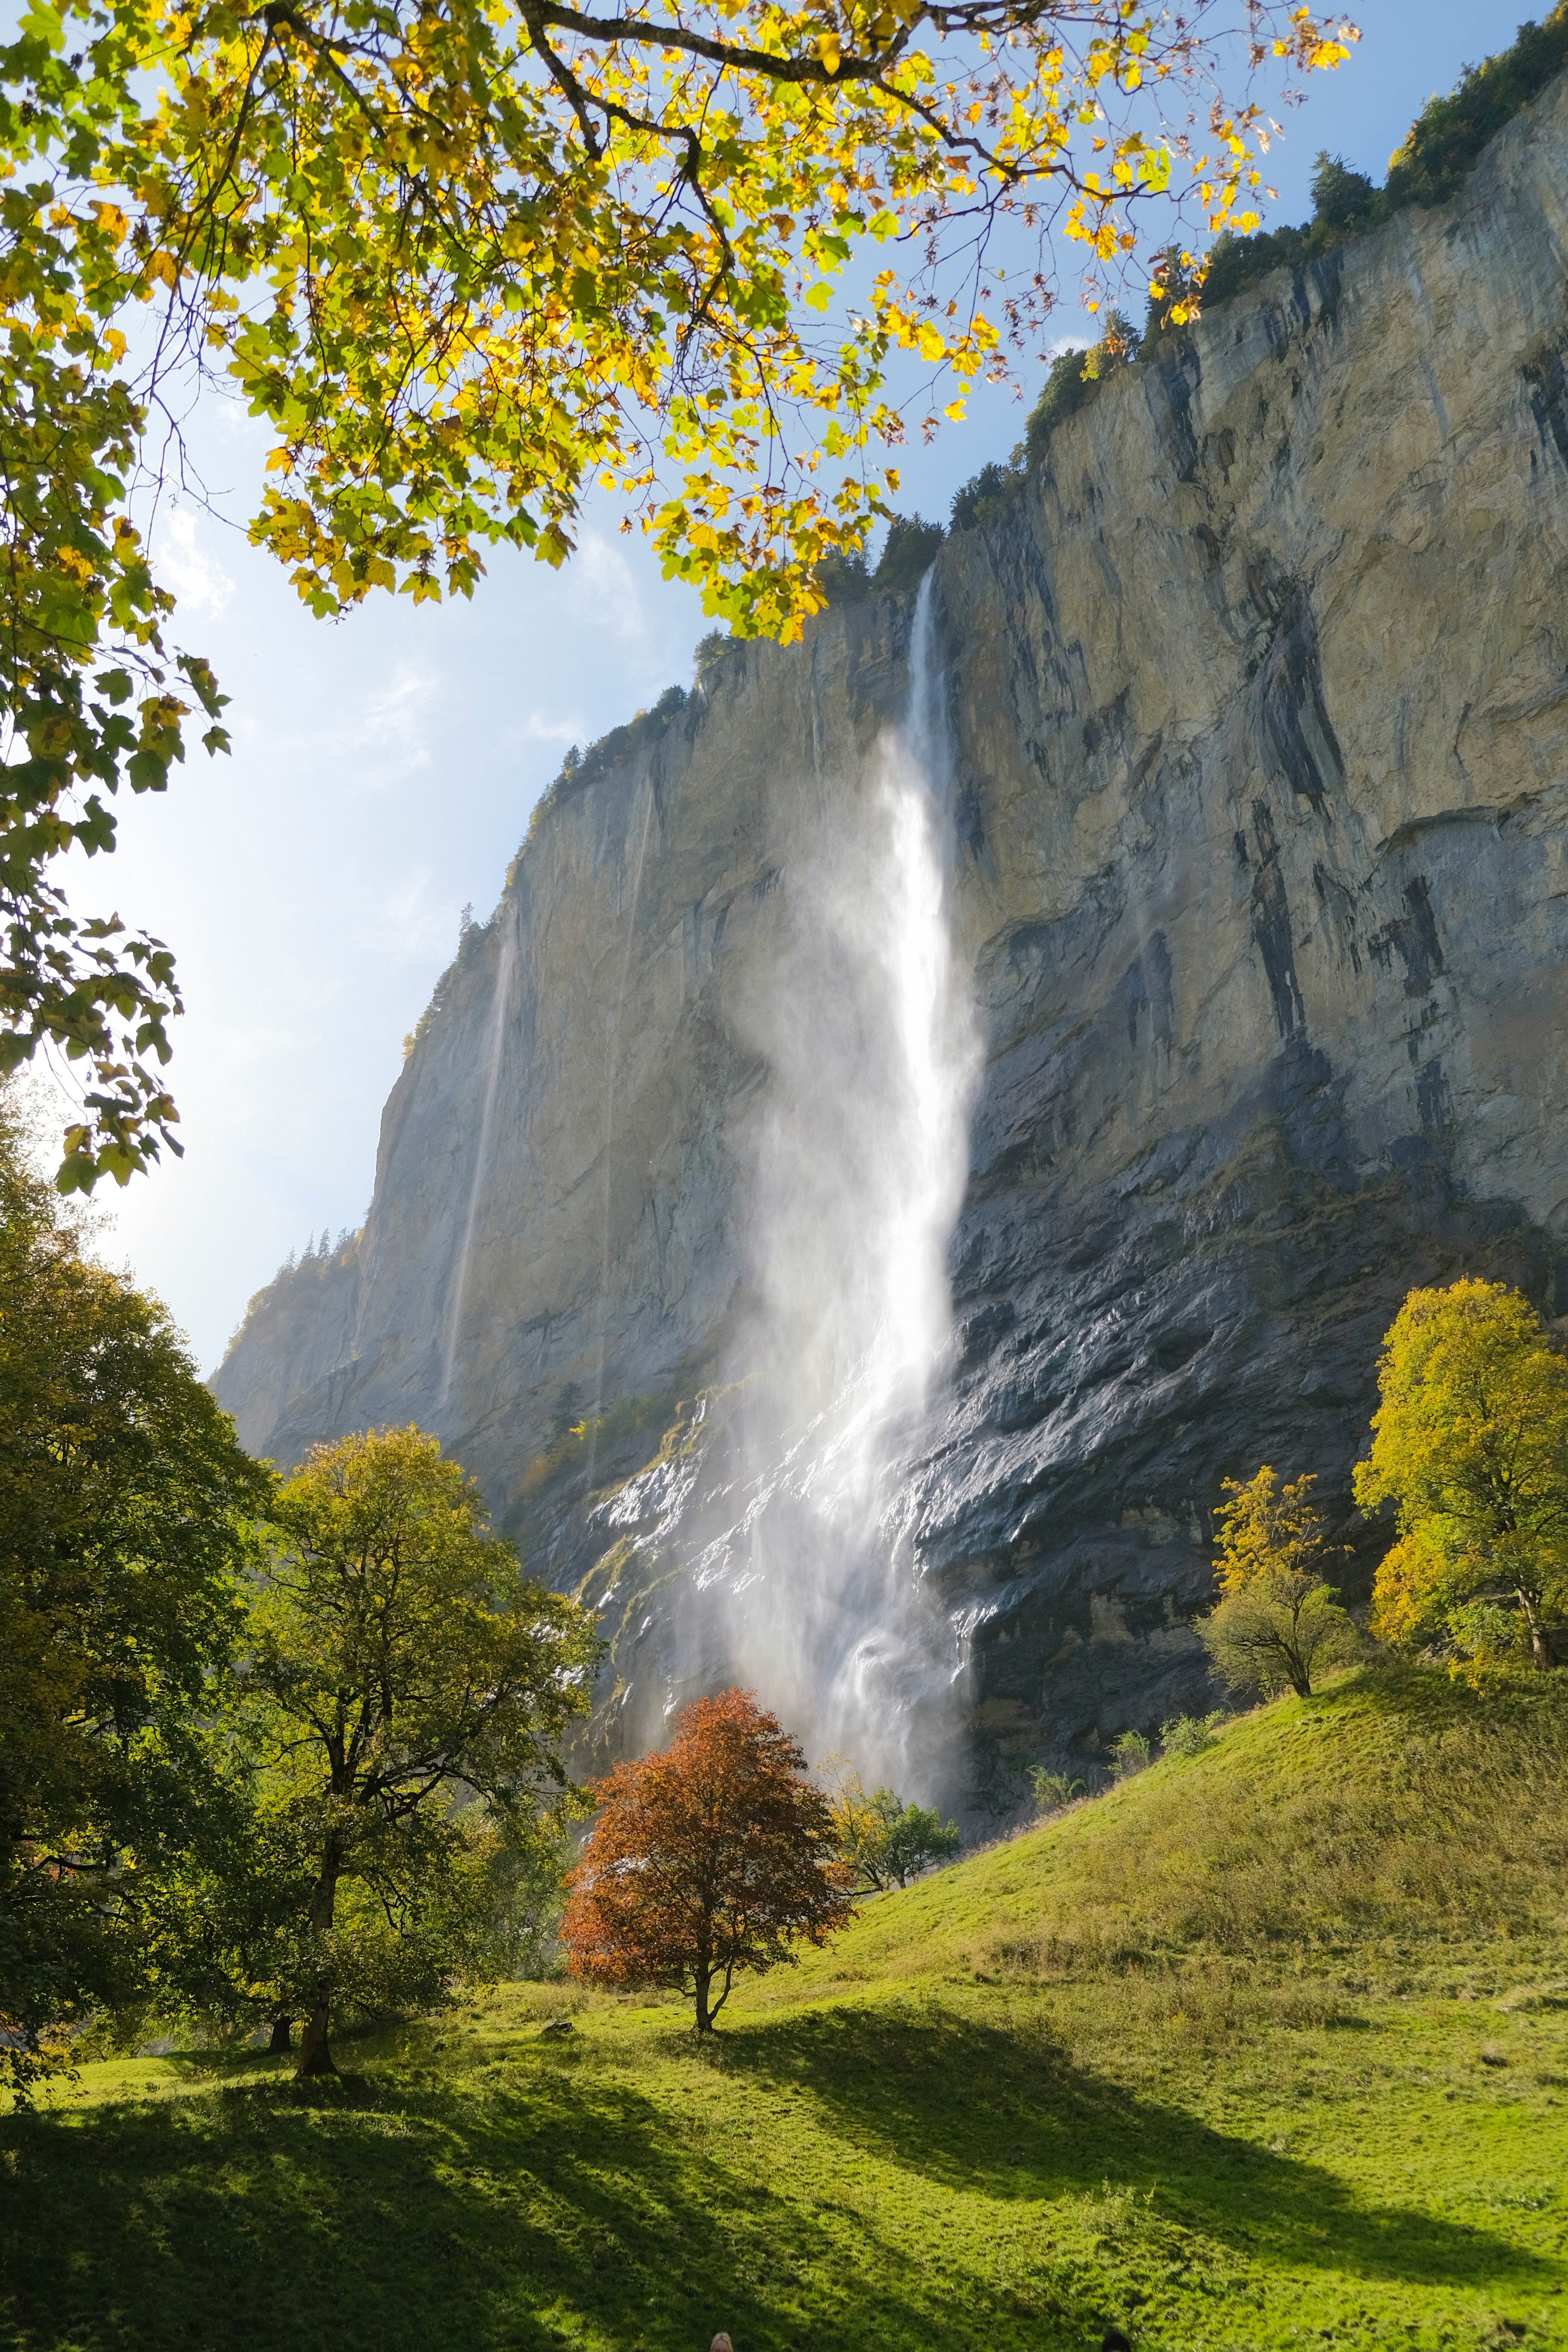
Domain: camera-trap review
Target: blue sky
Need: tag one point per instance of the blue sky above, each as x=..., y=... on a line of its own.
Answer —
x=384, y=767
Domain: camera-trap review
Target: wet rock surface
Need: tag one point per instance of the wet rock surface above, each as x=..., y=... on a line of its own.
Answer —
x=1259, y=700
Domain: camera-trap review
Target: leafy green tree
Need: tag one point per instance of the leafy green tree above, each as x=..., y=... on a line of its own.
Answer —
x=1339, y=194
x=883, y=1842
x=1277, y=1622
x=1470, y=1440
x=469, y=265
x=407, y=1686
x=124, y=1505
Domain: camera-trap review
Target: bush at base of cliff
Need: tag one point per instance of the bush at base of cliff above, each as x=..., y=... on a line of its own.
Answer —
x=1129, y=1753
x=1277, y=1622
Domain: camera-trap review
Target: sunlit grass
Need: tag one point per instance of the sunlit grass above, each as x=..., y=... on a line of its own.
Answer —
x=1266, y=2048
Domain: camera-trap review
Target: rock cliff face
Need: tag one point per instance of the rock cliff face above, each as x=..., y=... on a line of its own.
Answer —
x=1258, y=700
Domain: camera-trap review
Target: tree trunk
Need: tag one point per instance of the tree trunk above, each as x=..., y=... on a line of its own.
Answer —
x=704, y=1980
x=282, y=2036
x=1541, y=1648
x=315, y=2050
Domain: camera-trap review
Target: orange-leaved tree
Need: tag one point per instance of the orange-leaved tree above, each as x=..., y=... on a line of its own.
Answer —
x=713, y=1856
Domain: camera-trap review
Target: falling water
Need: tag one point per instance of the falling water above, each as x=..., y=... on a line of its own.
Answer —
x=504, y=963
x=869, y=1033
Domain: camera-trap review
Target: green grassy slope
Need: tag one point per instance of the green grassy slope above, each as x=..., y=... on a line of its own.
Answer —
x=1266, y=2048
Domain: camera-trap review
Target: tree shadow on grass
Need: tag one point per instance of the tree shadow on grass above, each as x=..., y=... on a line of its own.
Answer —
x=558, y=2209
x=1008, y=2114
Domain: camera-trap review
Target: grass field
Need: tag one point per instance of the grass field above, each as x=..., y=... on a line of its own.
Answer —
x=1266, y=2048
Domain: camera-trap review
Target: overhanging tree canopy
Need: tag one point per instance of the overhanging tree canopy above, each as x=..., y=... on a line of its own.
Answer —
x=471, y=259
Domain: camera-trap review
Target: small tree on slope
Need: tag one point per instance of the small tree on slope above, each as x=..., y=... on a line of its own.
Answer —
x=1276, y=1622
x=715, y=1855
x=883, y=1842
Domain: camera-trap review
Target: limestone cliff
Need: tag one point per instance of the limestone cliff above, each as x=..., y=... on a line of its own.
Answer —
x=1259, y=697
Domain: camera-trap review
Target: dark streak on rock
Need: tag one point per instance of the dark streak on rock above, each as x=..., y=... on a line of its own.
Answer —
x=1412, y=936
x=1271, y=927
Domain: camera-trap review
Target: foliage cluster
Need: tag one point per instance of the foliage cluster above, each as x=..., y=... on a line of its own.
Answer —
x=1441, y=146
x=1277, y=1622
x=123, y=1509
x=311, y=1261
x=468, y=267
x=398, y=1663
x=1131, y=1751
x=1053, y=1791
x=1470, y=1440
x=597, y=1436
x=91, y=699
x=643, y=729
x=907, y=554
x=882, y=1841
x=1070, y=380
x=471, y=937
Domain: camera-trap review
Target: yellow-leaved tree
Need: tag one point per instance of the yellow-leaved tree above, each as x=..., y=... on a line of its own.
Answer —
x=1470, y=1440
x=1277, y=1622
x=472, y=260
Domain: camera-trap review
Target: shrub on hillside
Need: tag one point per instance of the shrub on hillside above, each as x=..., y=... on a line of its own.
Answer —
x=1129, y=1752
x=1189, y=1734
x=1053, y=1791
x=882, y=1842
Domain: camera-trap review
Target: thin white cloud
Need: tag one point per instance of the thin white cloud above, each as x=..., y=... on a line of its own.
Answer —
x=392, y=739
x=412, y=922
x=537, y=729
x=600, y=589
x=199, y=582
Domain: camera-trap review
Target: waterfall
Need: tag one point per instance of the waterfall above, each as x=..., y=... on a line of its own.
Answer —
x=868, y=1027
x=504, y=961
